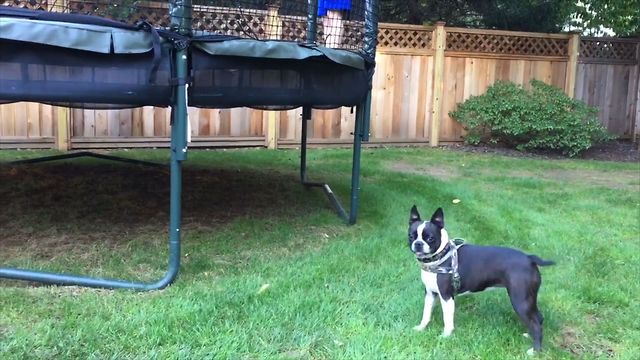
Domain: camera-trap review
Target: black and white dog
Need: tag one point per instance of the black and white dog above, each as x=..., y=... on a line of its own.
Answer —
x=449, y=268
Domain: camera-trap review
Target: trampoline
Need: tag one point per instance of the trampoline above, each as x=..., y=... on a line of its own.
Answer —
x=88, y=61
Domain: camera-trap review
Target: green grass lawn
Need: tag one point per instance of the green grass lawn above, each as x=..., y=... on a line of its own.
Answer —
x=335, y=291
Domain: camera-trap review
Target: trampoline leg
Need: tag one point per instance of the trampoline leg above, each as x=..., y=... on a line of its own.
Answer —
x=82, y=154
x=178, y=154
x=306, y=117
x=358, y=135
x=174, y=254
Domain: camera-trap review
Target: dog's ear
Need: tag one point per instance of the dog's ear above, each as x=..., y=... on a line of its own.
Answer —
x=438, y=218
x=414, y=216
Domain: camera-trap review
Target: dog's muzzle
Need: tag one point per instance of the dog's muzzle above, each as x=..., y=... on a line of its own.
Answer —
x=419, y=247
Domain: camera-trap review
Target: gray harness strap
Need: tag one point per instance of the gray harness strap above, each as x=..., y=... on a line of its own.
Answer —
x=435, y=267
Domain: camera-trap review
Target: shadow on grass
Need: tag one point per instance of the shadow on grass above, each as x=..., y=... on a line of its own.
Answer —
x=62, y=206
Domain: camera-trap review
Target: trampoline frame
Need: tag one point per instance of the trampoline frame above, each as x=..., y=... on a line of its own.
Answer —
x=179, y=11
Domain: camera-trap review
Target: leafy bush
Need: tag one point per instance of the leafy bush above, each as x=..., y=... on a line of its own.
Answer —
x=541, y=118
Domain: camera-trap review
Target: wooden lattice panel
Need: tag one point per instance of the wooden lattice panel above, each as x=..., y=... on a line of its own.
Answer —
x=608, y=49
x=247, y=23
x=27, y=4
x=404, y=38
x=353, y=36
x=156, y=14
x=506, y=44
x=294, y=30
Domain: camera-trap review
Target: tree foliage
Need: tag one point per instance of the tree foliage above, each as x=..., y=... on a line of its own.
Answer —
x=528, y=15
x=525, y=15
x=621, y=16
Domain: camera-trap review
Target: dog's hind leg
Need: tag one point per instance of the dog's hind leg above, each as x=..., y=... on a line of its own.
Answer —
x=524, y=302
x=429, y=299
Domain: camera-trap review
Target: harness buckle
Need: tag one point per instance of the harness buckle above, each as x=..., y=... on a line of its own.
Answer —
x=455, y=281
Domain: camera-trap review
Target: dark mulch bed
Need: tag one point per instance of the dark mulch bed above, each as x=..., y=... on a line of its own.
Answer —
x=616, y=150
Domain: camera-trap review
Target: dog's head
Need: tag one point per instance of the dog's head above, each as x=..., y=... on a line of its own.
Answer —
x=427, y=238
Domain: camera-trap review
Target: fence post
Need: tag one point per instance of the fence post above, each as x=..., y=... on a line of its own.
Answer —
x=63, y=126
x=273, y=126
x=572, y=65
x=438, y=85
x=273, y=32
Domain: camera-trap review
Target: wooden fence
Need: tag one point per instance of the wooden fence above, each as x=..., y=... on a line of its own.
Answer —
x=422, y=72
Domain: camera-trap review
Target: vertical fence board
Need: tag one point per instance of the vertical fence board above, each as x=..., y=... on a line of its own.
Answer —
x=136, y=122
x=77, y=122
x=159, y=122
x=125, y=122
x=416, y=85
x=20, y=120
x=7, y=119
x=347, y=122
x=46, y=120
x=147, y=121
x=33, y=120
x=89, y=117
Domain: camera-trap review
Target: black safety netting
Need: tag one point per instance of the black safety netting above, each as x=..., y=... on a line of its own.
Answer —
x=338, y=23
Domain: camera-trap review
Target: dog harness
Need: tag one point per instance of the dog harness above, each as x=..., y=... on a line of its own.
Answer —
x=435, y=265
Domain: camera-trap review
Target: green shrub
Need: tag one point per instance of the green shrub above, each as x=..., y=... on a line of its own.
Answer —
x=541, y=118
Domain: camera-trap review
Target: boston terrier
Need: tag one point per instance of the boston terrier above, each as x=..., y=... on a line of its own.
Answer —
x=450, y=268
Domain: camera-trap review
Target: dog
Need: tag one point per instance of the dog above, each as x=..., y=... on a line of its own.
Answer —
x=450, y=268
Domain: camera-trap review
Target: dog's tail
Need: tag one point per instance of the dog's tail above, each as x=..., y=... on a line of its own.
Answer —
x=536, y=260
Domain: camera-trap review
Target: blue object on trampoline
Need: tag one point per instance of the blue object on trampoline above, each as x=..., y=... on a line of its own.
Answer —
x=324, y=5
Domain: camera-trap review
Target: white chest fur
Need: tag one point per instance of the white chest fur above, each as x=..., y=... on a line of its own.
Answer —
x=430, y=281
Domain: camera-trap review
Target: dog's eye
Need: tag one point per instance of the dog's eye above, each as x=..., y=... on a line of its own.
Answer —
x=430, y=239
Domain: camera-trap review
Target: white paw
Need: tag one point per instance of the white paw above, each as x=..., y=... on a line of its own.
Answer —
x=531, y=352
x=419, y=327
x=526, y=335
x=446, y=333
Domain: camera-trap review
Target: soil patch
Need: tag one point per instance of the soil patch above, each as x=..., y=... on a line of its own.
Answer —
x=629, y=180
x=440, y=172
x=573, y=342
x=615, y=150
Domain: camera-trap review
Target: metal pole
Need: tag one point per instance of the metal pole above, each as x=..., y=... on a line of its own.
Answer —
x=82, y=154
x=355, y=166
x=369, y=48
x=363, y=111
x=312, y=21
x=370, y=28
x=181, y=15
x=312, y=25
x=306, y=117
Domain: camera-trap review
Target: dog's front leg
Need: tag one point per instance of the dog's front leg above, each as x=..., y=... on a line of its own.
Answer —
x=429, y=299
x=448, y=310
